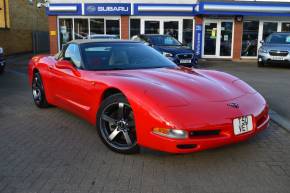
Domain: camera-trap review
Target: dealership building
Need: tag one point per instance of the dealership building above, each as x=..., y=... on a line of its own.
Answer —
x=226, y=29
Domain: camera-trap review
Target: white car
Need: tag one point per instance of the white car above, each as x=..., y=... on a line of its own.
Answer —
x=2, y=60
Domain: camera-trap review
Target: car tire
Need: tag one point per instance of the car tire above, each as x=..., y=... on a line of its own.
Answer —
x=38, y=92
x=261, y=64
x=2, y=69
x=116, y=125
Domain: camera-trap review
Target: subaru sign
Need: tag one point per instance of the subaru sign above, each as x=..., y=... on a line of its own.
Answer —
x=198, y=40
x=108, y=9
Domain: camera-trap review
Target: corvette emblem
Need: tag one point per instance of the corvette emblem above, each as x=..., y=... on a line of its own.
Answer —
x=233, y=105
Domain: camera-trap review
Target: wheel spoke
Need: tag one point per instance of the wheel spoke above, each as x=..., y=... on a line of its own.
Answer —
x=121, y=111
x=114, y=134
x=108, y=118
x=127, y=138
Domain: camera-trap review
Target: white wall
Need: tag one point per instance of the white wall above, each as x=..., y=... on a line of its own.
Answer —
x=127, y=1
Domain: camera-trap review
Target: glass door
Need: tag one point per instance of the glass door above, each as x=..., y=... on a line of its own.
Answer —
x=218, y=38
x=226, y=38
x=210, y=38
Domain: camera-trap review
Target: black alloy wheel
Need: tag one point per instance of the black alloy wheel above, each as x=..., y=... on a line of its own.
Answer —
x=38, y=91
x=116, y=125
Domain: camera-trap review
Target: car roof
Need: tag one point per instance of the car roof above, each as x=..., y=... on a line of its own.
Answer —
x=103, y=35
x=86, y=41
x=286, y=33
x=148, y=35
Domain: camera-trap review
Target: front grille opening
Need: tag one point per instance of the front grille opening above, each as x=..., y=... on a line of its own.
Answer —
x=278, y=53
x=186, y=146
x=204, y=133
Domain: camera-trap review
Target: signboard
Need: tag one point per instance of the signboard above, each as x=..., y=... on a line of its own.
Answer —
x=108, y=9
x=198, y=40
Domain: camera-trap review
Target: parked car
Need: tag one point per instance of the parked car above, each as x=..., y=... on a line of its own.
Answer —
x=136, y=97
x=275, y=49
x=2, y=60
x=102, y=36
x=171, y=48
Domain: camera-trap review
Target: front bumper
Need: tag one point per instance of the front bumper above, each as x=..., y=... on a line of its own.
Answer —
x=266, y=58
x=213, y=123
x=194, y=144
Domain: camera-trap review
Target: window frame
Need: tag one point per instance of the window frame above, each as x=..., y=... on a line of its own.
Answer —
x=118, y=18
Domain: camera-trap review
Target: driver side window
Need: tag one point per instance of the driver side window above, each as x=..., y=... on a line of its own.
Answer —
x=73, y=53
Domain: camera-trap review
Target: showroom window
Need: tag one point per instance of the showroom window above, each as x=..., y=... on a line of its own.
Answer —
x=112, y=27
x=135, y=27
x=65, y=31
x=152, y=27
x=250, y=38
x=187, y=32
x=285, y=27
x=268, y=28
x=171, y=28
x=97, y=26
x=81, y=28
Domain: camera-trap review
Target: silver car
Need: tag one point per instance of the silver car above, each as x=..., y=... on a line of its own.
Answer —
x=275, y=49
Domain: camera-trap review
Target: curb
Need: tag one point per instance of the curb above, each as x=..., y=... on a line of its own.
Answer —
x=281, y=121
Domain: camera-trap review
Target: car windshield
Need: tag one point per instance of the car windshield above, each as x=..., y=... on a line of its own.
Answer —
x=163, y=41
x=122, y=56
x=278, y=39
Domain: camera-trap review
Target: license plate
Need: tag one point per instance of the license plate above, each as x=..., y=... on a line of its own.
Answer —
x=185, y=61
x=277, y=58
x=243, y=124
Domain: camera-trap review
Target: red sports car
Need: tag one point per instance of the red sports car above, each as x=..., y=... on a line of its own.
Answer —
x=137, y=97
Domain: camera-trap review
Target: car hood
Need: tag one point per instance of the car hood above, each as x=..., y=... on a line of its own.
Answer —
x=177, y=87
x=174, y=49
x=280, y=47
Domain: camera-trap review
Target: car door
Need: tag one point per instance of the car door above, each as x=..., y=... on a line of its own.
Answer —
x=72, y=89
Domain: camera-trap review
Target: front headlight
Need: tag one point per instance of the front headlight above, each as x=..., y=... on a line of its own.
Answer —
x=166, y=54
x=263, y=50
x=1, y=50
x=171, y=133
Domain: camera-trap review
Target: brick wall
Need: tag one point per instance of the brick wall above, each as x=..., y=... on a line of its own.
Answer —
x=198, y=20
x=24, y=19
x=124, y=27
x=52, y=26
x=238, y=35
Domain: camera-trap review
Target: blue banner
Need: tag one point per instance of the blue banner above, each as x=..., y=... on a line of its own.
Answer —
x=108, y=9
x=198, y=40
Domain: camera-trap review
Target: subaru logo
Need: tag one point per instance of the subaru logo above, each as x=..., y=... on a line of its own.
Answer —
x=91, y=8
x=233, y=105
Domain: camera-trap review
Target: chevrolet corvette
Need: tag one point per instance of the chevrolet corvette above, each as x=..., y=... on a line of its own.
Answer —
x=136, y=97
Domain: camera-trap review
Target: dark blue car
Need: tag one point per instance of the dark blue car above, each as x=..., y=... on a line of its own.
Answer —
x=171, y=48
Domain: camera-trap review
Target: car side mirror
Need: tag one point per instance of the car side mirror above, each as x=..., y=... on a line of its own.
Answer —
x=66, y=64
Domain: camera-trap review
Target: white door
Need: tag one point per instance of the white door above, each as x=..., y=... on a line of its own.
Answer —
x=217, y=39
